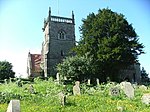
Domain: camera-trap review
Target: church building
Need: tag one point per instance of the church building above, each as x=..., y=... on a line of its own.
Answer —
x=33, y=65
x=59, y=39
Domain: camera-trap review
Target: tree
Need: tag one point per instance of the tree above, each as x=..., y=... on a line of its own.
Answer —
x=144, y=75
x=6, y=71
x=110, y=41
x=76, y=68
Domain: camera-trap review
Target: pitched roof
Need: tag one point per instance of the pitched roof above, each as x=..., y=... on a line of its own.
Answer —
x=35, y=62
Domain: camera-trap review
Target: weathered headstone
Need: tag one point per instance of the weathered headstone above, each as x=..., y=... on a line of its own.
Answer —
x=143, y=87
x=146, y=98
x=57, y=77
x=62, y=98
x=89, y=81
x=76, y=88
x=128, y=89
x=31, y=89
x=114, y=91
x=14, y=106
x=97, y=81
x=122, y=84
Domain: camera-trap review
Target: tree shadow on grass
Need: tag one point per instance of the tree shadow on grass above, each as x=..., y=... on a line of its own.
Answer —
x=70, y=104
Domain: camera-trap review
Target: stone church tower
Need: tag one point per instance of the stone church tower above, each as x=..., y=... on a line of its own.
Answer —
x=59, y=38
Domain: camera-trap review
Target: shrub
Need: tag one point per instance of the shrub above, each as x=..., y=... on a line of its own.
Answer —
x=6, y=97
x=75, y=68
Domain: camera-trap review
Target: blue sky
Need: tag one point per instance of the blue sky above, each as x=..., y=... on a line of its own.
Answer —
x=21, y=23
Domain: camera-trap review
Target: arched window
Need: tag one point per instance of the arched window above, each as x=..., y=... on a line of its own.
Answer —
x=61, y=35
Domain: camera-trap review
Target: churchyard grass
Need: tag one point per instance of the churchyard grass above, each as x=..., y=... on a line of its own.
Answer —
x=92, y=99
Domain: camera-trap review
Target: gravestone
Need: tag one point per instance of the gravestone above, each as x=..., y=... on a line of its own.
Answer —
x=76, y=88
x=143, y=87
x=57, y=77
x=89, y=81
x=146, y=98
x=97, y=81
x=62, y=98
x=127, y=88
x=31, y=89
x=122, y=84
x=114, y=91
x=14, y=106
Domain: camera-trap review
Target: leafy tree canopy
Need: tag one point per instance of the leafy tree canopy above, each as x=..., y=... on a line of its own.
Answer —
x=76, y=68
x=6, y=71
x=110, y=41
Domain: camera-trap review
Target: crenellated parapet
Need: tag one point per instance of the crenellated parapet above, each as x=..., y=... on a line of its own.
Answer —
x=62, y=19
x=58, y=19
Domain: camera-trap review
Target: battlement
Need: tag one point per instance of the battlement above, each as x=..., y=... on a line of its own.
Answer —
x=62, y=19
x=58, y=19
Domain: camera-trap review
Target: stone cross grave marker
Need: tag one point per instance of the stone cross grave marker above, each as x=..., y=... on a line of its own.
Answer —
x=76, y=88
x=14, y=106
x=128, y=89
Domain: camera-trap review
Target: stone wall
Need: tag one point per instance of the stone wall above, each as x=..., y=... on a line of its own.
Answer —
x=54, y=48
x=131, y=74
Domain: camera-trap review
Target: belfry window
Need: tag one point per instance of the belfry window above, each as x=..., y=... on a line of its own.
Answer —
x=61, y=35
